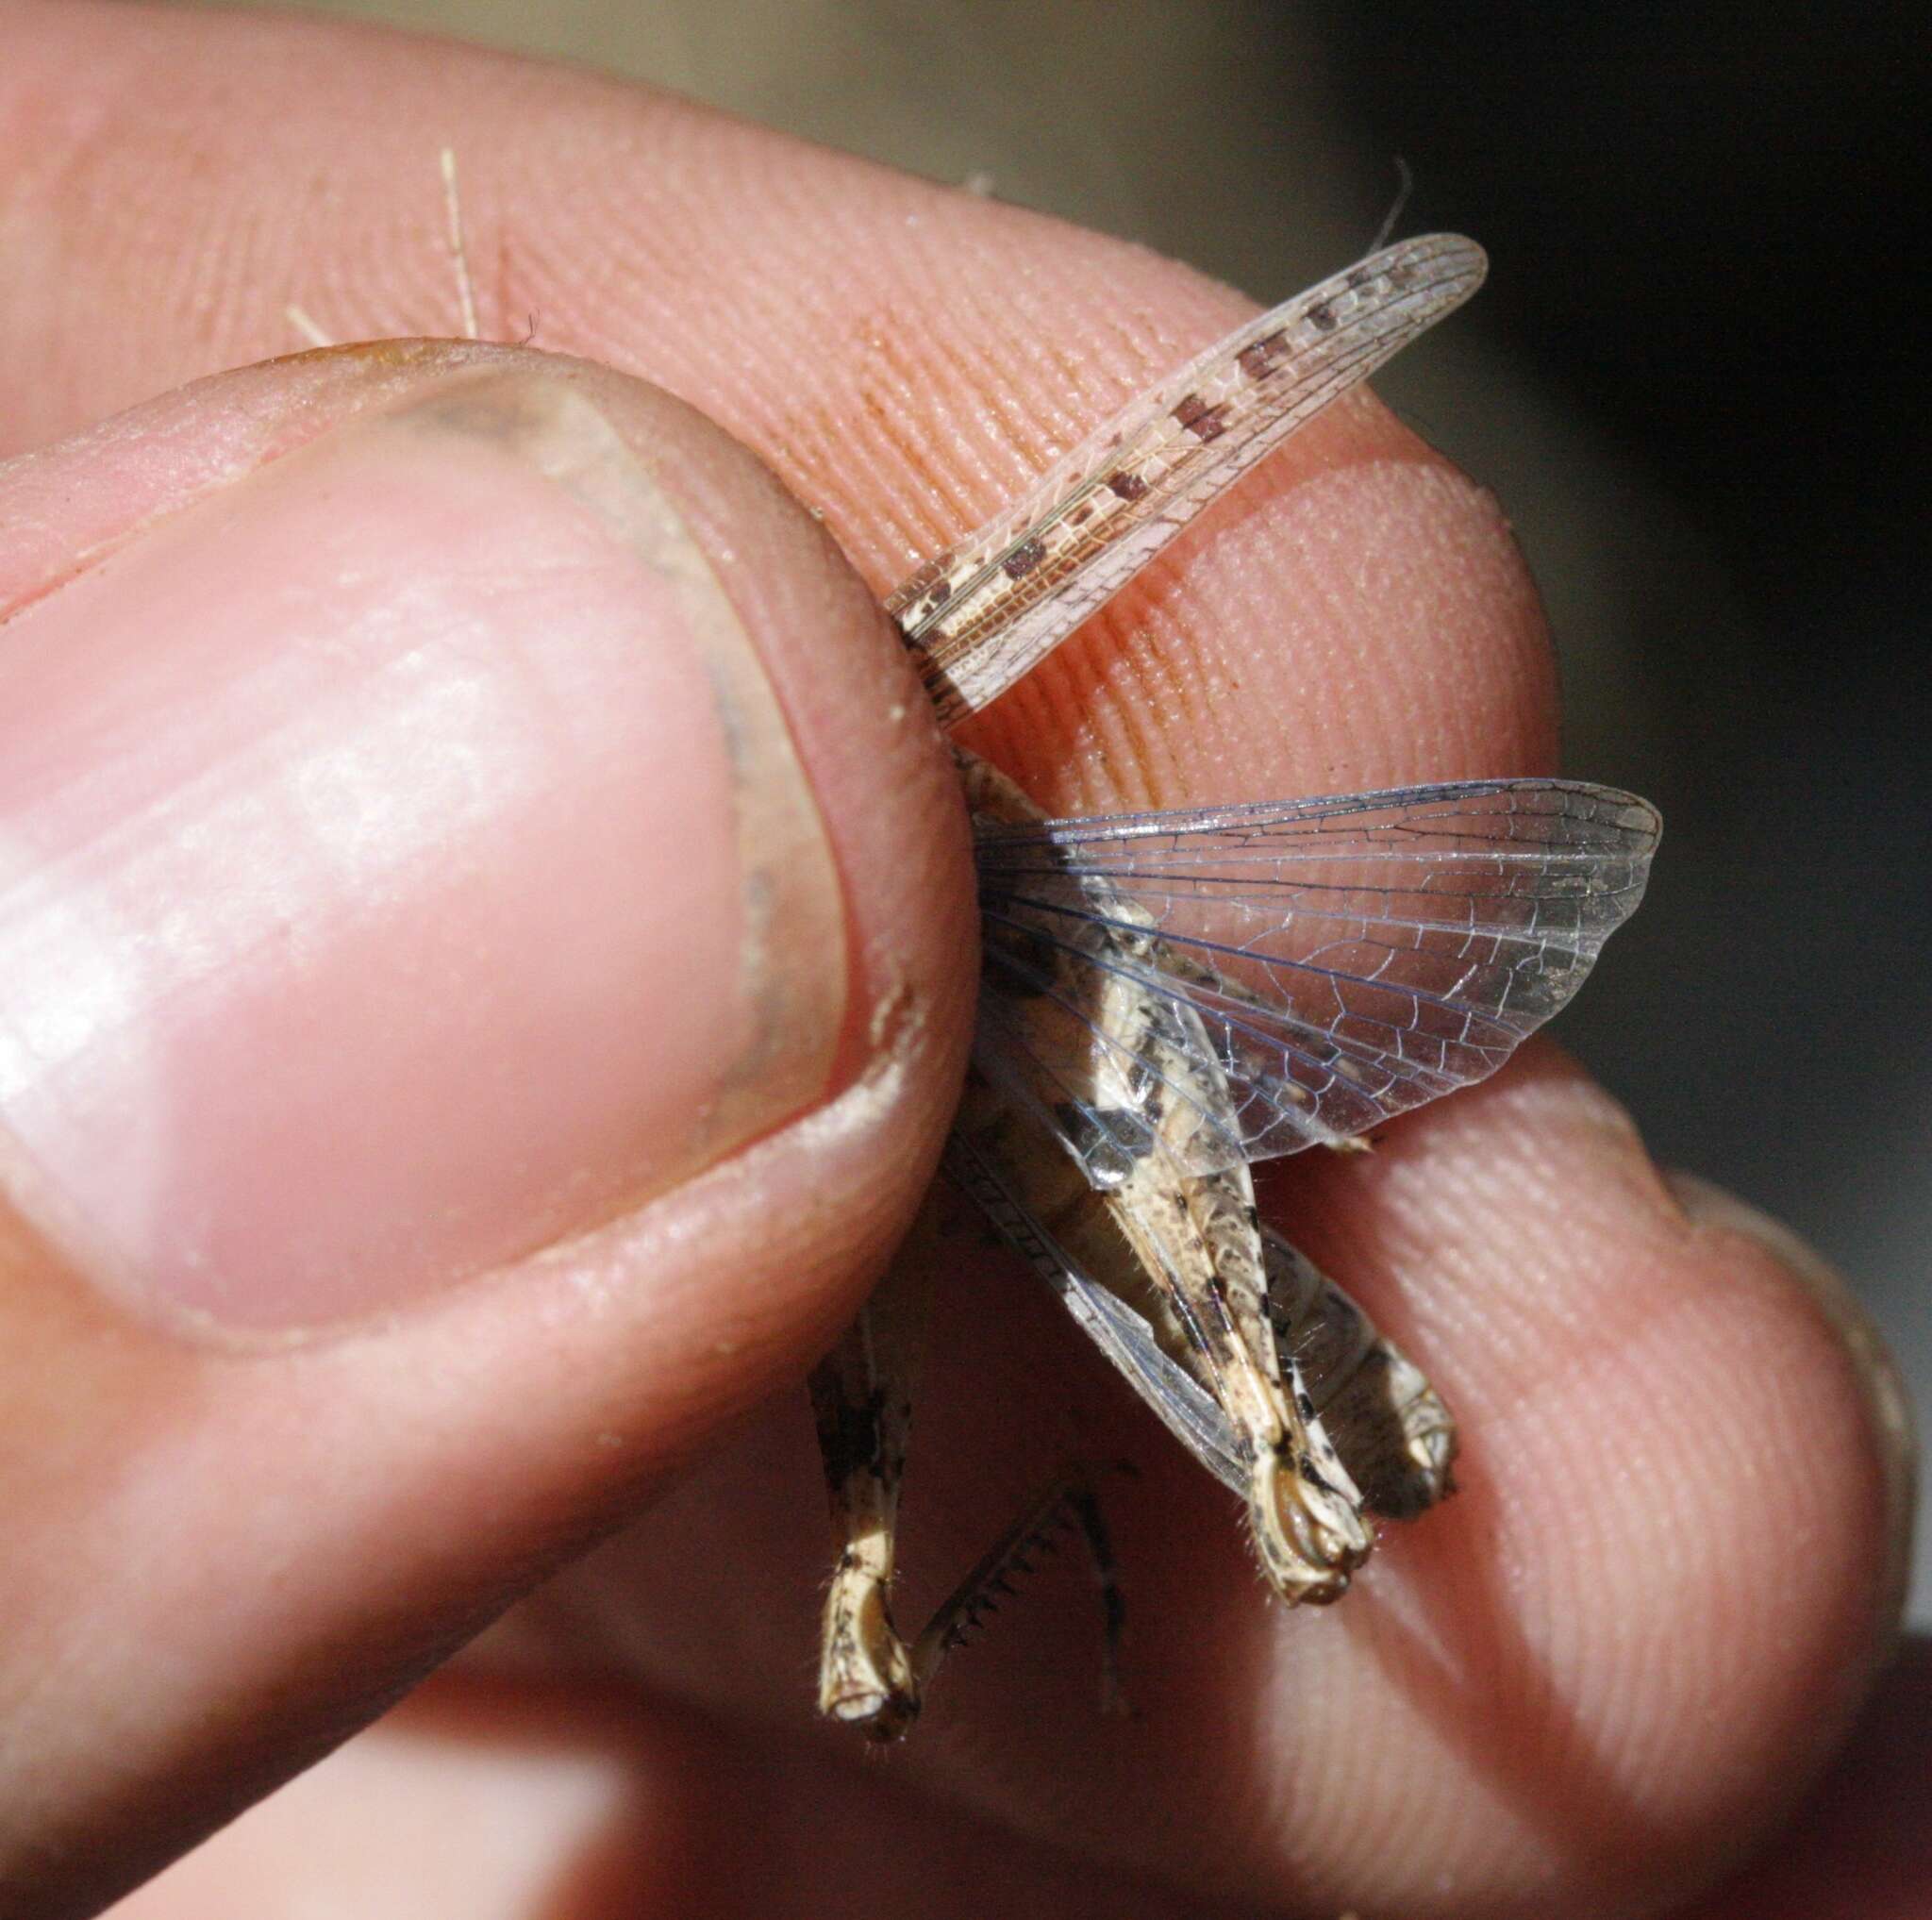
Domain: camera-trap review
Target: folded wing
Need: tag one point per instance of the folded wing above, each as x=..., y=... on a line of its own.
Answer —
x=983, y=613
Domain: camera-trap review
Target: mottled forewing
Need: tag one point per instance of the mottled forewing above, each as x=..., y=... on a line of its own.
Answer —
x=983, y=613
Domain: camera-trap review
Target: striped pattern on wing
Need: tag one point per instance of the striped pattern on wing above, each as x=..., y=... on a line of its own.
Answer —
x=983, y=613
x=1347, y=959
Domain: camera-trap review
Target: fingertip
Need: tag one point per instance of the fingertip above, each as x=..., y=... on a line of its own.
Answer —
x=1847, y=1853
x=1645, y=1620
x=1889, y=1420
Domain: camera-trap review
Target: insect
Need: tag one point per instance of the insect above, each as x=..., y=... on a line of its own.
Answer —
x=1166, y=998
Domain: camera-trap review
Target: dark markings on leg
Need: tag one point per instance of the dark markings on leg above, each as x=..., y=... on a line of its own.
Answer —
x=1307, y=1468
x=850, y=1432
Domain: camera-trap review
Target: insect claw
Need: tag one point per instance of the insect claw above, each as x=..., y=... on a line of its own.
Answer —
x=867, y=1676
x=1311, y=1535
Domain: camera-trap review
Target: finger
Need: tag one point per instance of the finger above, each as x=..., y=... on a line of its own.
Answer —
x=1859, y=1847
x=903, y=358
x=485, y=976
x=505, y=1802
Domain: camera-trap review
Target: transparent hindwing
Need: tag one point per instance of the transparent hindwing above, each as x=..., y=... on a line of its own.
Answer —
x=1321, y=965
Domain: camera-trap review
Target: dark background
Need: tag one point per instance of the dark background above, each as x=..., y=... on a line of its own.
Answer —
x=1694, y=380
x=1708, y=218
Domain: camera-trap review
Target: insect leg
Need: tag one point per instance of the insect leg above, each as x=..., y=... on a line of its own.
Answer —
x=1199, y=1240
x=861, y=1397
x=1182, y=1257
x=459, y=247
x=1068, y=1501
x=1083, y=1500
x=1390, y=1426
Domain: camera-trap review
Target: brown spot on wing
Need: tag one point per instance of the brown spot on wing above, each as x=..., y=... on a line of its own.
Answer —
x=1203, y=422
x=1024, y=559
x=1261, y=356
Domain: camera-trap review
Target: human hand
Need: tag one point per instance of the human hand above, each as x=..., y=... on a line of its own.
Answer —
x=341, y=801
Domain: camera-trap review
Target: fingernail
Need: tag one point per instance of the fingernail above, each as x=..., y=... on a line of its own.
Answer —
x=1886, y=1395
x=404, y=864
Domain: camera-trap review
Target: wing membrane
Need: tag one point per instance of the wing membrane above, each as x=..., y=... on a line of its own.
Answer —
x=1127, y=1339
x=1341, y=959
x=983, y=613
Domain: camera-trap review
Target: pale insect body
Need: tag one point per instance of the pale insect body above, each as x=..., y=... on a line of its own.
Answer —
x=1396, y=946
x=1166, y=998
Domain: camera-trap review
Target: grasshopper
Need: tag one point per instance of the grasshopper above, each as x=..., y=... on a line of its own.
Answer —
x=1166, y=998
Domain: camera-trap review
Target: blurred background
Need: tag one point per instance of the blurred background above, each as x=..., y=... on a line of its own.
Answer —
x=1694, y=379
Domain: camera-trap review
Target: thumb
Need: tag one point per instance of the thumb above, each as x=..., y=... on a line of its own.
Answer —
x=485, y=957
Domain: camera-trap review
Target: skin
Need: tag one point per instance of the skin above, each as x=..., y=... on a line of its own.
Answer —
x=1591, y=1685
